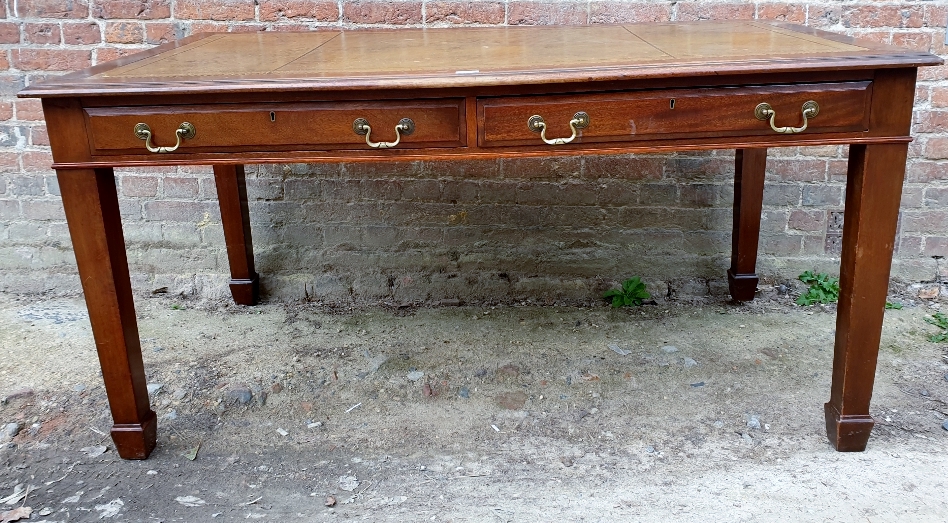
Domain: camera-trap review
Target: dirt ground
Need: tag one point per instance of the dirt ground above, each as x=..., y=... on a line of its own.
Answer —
x=690, y=410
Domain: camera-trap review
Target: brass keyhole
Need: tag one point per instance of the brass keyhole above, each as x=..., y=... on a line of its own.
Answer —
x=273, y=116
x=671, y=104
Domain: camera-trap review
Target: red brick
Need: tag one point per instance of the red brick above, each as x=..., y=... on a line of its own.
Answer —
x=936, y=246
x=52, y=8
x=883, y=16
x=917, y=40
x=178, y=211
x=34, y=161
x=783, y=12
x=107, y=54
x=4, y=61
x=797, y=170
x=132, y=9
x=371, y=12
x=623, y=167
x=688, y=11
x=937, y=148
x=124, y=33
x=6, y=111
x=159, y=33
x=939, y=72
x=910, y=246
x=936, y=197
x=247, y=28
x=932, y=122
x=939, y=96
x=628, y=12
x=935, y=15
x=322, y=10
x=51, y=59
x=42, y=33
x=807, y=220
x=139, y=186
x=38, y=135
x=824, y=16
x=44, y=210
x=180, y=187
x=9, y=163
x=540, y=13
x=9, y=33
x=81, y=33
x=880, y=37
x=208, y=27
x=227, y=10
x=464, y=12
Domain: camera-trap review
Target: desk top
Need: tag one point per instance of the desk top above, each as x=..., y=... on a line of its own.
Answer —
x=468, y=57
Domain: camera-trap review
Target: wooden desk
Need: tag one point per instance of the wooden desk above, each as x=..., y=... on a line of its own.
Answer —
x=231, y=99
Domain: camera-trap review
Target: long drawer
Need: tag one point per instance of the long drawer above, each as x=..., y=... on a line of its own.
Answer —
x=313, y=125
x=673, y=113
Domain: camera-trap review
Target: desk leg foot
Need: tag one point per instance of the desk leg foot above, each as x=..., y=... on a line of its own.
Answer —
x=847, y=433
x=136, y=441
x=235, y=215
x=749, y=167
x=873, y=192
x=95, y=225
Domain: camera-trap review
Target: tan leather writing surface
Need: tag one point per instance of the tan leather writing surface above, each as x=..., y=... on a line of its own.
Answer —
x=471, y=50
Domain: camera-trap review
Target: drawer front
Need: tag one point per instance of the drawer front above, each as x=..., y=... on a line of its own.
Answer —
x=674, y=113
x=281, y=126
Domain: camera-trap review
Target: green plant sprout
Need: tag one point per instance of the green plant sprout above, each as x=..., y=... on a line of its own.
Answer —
x=823, y=288
x=941, y=321
x=631, y=293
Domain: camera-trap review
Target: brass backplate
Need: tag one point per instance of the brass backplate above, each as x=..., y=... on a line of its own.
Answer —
x=360, y=126
x=763, y=111
x=142, y=131
x=582, y=120
x=188, y=130
x=408, y=126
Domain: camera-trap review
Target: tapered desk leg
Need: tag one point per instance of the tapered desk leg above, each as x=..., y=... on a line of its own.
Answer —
x=748, y=199
x=95, y=225
x=873, y=190
x=235, y=215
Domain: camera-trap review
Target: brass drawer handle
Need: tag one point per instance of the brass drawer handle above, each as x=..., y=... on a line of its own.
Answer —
x=536, y=124
x=361, y=127
x=185, y=131
x=764, y=111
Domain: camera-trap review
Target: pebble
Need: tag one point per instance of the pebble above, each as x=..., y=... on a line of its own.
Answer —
x=348, y=483
x=277, y=388
x=718, y=424
x=946, y=377
x=240, y=394
x=688, y=362
x=79, y=388
x=464, y=392
x=782, y=289
x=512, y=400
x=415, y=375
x=314, y=425
x=153, y=388
x=171, y=415
x=753, y=422
x=179, y=394
x=945, y=425
x=699, y=384
x=618, y=350
x=330, y=501
x=480, y=373
x=10, y=430
x=670, y=349
x=509, y=370
x=283, y=432
x=152, y=472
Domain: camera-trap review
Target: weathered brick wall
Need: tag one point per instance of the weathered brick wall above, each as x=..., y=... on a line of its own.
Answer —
x=503, y=229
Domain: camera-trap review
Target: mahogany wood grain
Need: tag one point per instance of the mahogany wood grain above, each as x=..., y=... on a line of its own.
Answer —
x=325, y=125
x=643, y=115
x=873, y=191
x=235, y=216
x=750, y=165
x=95, y=225
x=470, y=92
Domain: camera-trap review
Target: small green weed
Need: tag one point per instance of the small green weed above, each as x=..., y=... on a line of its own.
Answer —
x=823, y=288
x=941, y=321
x=631, y=293
x=177, y=307
x=893, y=306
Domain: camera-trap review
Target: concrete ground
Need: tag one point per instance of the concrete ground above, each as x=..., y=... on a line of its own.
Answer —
x=688, y=410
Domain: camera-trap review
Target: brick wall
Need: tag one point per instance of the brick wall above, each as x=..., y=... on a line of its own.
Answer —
x=495, y=230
